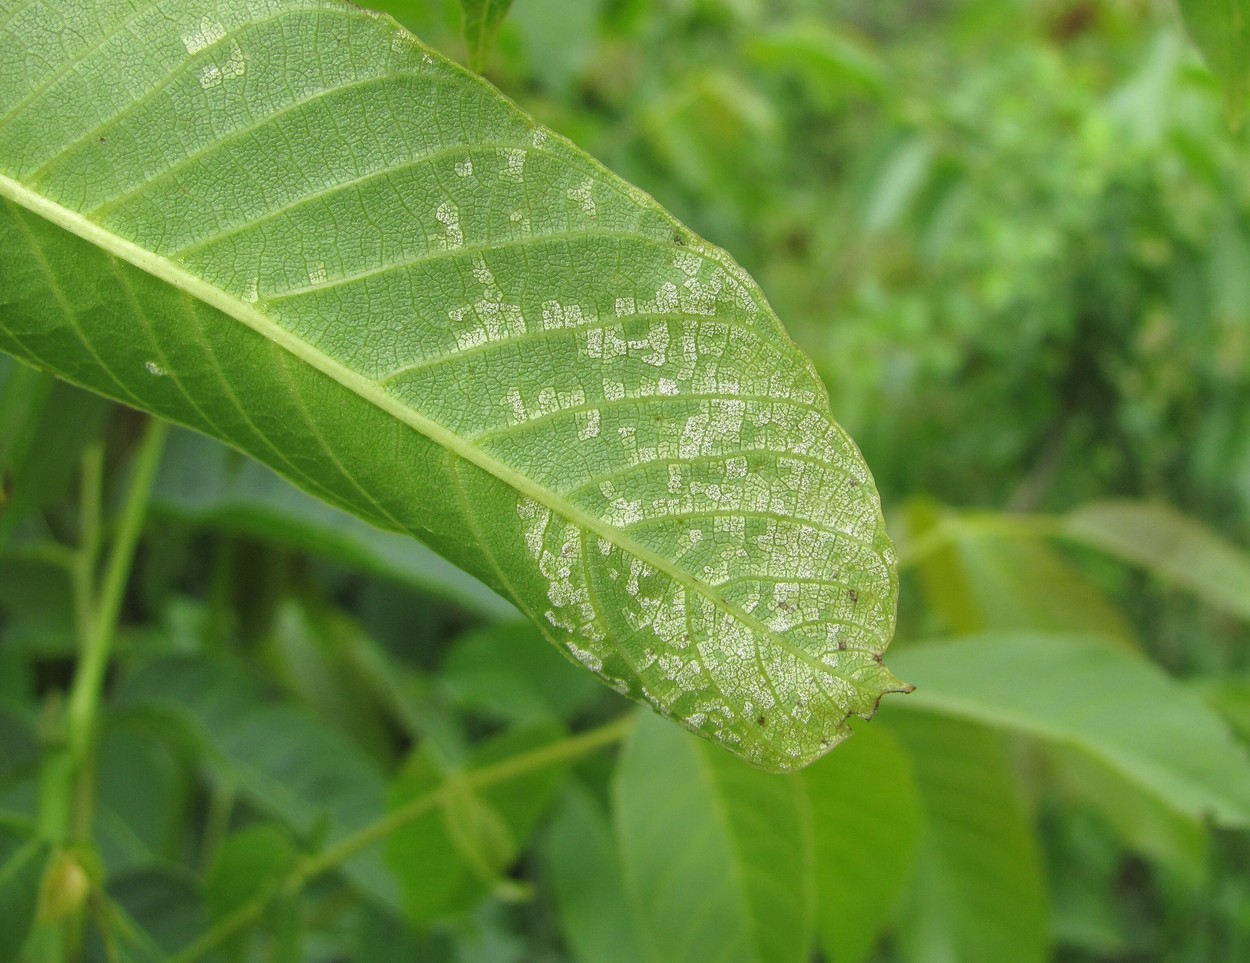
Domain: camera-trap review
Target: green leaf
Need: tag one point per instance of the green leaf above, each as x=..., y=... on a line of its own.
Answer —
x=287, y=763
x=596, y=915
x=161, y=912
x=449, y=859
x=832, y=61
x=978, y=894
x=717, y=855
x=1169, y=545
x=290, y=225
x=1221, y=29
x=1088, y=693
x=39, y=458
x=252, y=862
x=481, y=22
x=33, y=590
x=144, y=793
x=1145, y=824
x=508, y=672
x=866, y=813
x=206, y=483
x=979, y=580
x=23, y=858
x=1231, y=698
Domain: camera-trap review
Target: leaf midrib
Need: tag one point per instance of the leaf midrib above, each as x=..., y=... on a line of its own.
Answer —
x=368, y=390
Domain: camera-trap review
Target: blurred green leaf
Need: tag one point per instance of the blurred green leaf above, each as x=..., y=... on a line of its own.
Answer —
x=19, y=736
x=1231, y=698
x=903, y=173
x=829, y=57
x=481, y=22
x=979, y=580
x=558, y=40
x=1083, y=691
x=38, y=459
x=717, y=855
x=703, y=128
x=205, y=483
x=385, y=938
x=33, y=593
x=250, y=863
x=23, y=859
x=1145, y=824
x=324, y=659
x=509, y=672
x=866, y=813
x=1221, y=29
x=161, y=912
x=1168, y=544
x=978, y=894
x=450, y=858
x=596, y=915
x=144, y=796
x=287, y=763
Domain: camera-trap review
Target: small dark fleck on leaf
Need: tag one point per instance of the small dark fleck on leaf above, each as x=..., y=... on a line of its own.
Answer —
x=852, y=595
x=762, y=720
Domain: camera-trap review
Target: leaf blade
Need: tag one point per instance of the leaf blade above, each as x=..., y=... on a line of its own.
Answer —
x=1172, y=546
x=699, y=430
x=1221, y=30
x=1083, y=691
x=716, y=856
x=979, y=892
x=866, y=812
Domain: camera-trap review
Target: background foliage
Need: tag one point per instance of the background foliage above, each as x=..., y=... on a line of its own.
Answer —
x=1015, y=238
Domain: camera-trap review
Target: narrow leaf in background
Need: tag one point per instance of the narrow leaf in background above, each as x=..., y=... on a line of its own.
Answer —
x=1221, y=29
x=482, y=19
x=1169, y=545
x=978, y=580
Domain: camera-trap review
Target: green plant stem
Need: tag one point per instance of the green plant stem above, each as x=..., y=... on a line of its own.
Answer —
x=84, y=697
x=67, y=777
x=565, y=750
x=87, y=555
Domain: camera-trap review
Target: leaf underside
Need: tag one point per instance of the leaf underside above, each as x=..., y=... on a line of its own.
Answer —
x=290, y=225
